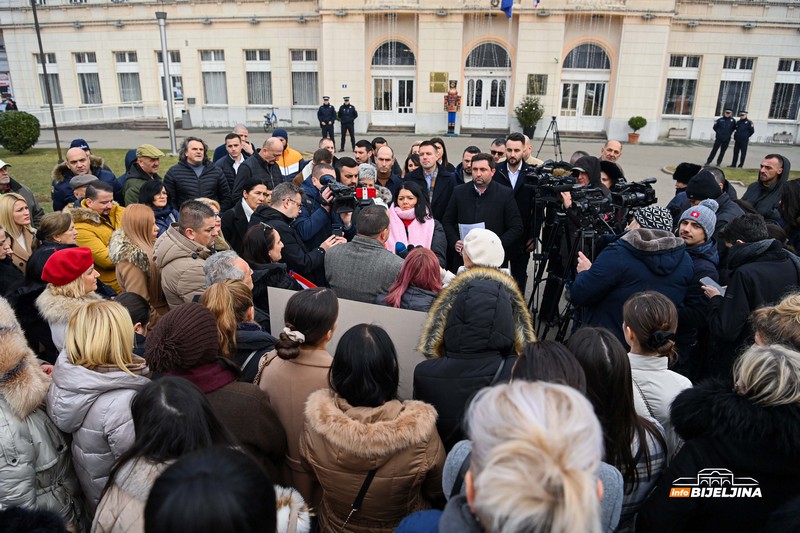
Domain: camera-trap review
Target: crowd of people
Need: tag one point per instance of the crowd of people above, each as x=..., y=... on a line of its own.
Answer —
x=142, y=387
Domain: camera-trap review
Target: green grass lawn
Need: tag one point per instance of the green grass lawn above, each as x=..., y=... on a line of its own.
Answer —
x=745, y=175
x=34, y=168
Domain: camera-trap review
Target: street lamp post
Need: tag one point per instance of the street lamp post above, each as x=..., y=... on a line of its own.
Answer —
x=161, y=17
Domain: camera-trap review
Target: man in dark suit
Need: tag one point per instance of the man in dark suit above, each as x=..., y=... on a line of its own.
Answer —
x=434, y=179
x=483, y=201
x=511, y=173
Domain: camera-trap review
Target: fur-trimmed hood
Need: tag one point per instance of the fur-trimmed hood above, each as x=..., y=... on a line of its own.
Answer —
x=23, y=384
x=659, y=250
x=370, y=433
x=61, y=171
x=713, y=410
x=121, y=249
x=85, y=215
x=432, y=340
x=57, y=309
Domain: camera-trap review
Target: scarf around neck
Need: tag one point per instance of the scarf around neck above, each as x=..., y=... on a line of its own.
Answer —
x=208, y=377
x=418, y=234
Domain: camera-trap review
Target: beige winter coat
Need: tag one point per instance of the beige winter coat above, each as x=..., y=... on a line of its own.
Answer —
x=133, y=273
x=288, y=384
x=341, y=444
x=181, y=262
x=121, y=509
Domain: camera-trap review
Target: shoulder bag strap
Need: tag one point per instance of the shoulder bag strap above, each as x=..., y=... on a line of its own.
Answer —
x=264, y=363
x=459, y=481
x=644, y=399
x=360, y=497
x=499, y=371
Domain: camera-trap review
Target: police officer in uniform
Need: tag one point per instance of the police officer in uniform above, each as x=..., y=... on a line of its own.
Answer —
x=741, y=136
x=724, y=126
x=326, y=115
x=348, y=116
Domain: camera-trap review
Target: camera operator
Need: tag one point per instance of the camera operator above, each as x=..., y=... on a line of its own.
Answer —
x=648, y=257
x=318, y=219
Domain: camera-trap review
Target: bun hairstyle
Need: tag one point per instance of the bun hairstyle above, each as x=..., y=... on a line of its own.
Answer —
x=536, y=452
x=653, y=320
x=309, y=316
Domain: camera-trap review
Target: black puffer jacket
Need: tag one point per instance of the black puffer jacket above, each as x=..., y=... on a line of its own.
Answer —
x=182, y=184
x=725, y=430
x=474, y=332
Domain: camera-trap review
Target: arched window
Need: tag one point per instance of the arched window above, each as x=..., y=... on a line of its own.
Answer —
x=589, y=56
x=392, y=54
x=488, y=55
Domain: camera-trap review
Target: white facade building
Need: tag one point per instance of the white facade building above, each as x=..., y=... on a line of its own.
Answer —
x=594, y=63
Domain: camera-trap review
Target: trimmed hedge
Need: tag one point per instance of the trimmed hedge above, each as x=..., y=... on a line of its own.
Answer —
x=19, y=131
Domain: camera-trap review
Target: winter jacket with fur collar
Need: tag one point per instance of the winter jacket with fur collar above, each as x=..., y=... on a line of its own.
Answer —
x=723, y=429
x=474, y=331
x=640, y=260
x=133, y=272
x=94, y=232
x=35, y=463
x=57, y=309
x=95, y=407
x=342, y=443
x=62, y=194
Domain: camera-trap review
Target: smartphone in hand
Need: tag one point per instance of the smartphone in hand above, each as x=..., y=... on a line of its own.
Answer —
x=711, y=283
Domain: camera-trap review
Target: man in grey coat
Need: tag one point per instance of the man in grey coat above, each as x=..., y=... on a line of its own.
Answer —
x=363, y=268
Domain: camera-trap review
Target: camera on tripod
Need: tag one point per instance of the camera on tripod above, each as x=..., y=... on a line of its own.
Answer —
x=633, y=194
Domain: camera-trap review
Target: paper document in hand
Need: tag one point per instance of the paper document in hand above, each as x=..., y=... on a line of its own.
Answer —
x=463, y=229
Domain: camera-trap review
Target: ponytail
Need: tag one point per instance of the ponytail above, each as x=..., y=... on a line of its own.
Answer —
x=229, y=300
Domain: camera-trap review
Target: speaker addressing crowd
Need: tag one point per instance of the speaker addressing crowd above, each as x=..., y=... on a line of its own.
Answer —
x=146, y=387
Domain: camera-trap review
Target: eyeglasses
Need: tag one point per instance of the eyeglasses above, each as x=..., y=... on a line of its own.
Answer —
x=497, y=152
x=265, y=227
x=298, y=204
x=216, y=215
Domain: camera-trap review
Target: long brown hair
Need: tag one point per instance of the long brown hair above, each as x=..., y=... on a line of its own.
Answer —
x=229, y=300
x=137, y=223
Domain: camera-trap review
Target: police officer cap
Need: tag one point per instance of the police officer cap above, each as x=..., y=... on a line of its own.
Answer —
x=326, y=97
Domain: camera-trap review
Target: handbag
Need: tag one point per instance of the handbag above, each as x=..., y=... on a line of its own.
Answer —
x=360, y=496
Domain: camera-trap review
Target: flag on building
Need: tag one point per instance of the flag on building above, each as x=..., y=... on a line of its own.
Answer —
x=506, y=6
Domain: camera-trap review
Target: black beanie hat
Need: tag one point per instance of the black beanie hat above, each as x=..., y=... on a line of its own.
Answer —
x=183, y=339
x=685, y=172
x=703, y=186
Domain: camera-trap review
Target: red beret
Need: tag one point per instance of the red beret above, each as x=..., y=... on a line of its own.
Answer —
x=67, y=265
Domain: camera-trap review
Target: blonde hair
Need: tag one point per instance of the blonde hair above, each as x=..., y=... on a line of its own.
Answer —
x=779, y=324
x=100, y=333
x=219, y=243
x=769, y=375
x=536, y=451
x=73, y=289
x=7, y=202
x=229, y=300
